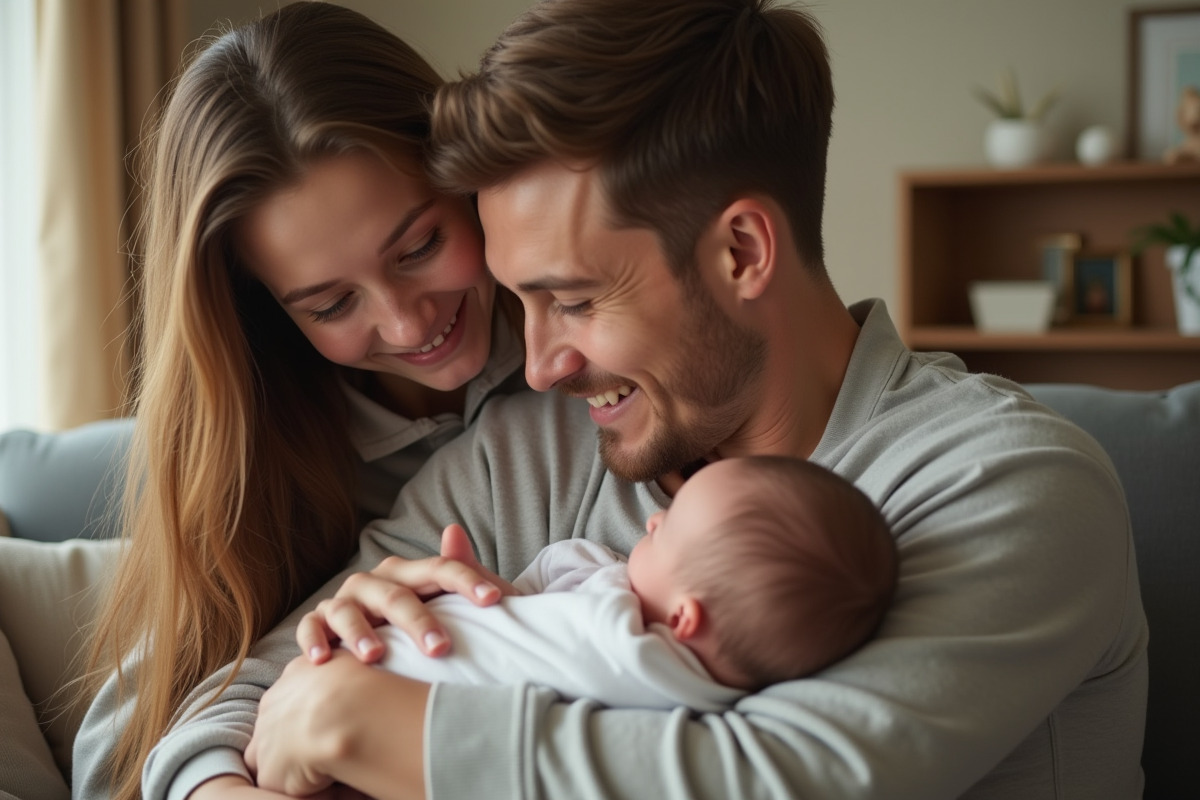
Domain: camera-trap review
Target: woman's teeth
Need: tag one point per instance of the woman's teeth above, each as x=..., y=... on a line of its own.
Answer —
x=609, y=398
x=441, y=337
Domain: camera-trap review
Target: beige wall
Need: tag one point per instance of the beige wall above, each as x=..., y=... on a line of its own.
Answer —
x=903, y=70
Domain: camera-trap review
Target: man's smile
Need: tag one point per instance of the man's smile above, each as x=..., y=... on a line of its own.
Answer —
x=610, y=397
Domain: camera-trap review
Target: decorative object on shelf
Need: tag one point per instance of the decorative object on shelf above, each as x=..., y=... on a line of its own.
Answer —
x=1056, y=256
x=1182, y=241
x=961, y=225
x=1185, y=273
x=1164, y=57
x=1096, y=145
x=1011, y=306
x=1015, y=138
x=1013, y=143
x=1188, y=117
x=1101, y=288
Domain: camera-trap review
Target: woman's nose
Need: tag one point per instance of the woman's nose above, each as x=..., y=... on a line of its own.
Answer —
x=405, y=320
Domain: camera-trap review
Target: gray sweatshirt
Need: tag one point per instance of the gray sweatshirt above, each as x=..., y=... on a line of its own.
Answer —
x=1013, y=662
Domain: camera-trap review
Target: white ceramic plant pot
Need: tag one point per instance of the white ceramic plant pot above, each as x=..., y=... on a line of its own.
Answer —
x=1012, y=143
x=1187, y=305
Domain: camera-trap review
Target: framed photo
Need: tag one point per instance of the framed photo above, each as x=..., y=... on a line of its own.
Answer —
x=1056, y=258
x=1101, y=288
x=1164, y=57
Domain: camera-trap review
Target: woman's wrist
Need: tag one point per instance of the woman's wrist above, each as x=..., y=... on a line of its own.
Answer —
x=380, y=744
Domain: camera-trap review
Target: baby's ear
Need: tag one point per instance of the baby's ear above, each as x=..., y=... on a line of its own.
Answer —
x=687, y=618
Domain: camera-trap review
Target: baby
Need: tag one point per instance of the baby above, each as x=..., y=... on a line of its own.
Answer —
x=763, y=569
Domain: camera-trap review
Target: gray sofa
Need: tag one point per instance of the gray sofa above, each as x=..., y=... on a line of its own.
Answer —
x=48, y=491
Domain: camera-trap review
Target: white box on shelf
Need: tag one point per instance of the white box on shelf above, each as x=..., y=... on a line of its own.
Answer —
x=1012, y=306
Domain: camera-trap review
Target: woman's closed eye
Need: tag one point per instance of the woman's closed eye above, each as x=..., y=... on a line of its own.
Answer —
x=332, y=311
x=427, y=248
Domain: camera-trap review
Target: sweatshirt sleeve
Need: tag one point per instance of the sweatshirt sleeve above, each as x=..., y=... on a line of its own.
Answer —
x=1017, y=585
x=455, y=485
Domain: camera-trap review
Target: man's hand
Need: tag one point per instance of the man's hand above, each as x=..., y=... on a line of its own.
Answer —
x=395, y=592
x=342, y=722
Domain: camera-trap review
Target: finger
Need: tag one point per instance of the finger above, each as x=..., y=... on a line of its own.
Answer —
x=316, y=639
x=430, y=576
x=349, y=620
x=399, y=606
x=456, y=545
x=251, y=757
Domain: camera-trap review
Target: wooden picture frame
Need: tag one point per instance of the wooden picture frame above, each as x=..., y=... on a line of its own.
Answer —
x=1102, y=288
x=1056, y=258
x=1164, y=56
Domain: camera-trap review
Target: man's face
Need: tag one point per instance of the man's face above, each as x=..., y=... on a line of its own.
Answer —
x=664, y=370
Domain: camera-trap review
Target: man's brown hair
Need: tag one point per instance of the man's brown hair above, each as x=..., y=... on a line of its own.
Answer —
x=682, y=104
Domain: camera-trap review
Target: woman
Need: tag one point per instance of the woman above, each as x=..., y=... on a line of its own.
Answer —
x=315, y=319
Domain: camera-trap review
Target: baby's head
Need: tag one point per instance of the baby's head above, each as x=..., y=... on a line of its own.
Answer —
x=769, y=568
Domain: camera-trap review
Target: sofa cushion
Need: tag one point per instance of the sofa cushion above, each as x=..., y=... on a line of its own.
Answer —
x=1153, y=439
x=48, y=481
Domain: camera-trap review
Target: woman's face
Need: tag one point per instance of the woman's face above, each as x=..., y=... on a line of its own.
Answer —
x=379, y=271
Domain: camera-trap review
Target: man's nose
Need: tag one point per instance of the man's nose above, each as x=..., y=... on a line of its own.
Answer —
x=550, y=356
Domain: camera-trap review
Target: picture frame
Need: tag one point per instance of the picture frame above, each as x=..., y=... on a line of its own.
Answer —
x=1102, y=288
x=1164, y=57
x=1056, y=258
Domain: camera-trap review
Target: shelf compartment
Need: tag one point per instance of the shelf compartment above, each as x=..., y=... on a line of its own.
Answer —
x=959, y=226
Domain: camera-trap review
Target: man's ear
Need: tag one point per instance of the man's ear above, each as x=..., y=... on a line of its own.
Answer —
x=746, y=232
x=687, y=618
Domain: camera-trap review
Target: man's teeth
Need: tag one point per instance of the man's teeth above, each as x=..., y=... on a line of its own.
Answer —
x=441, y=337
x=609, y=398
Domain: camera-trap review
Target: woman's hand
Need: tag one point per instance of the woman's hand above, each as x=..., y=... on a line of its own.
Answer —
x=340, y=723
x=395, y=592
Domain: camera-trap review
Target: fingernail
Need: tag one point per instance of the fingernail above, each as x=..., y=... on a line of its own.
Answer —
x=482, y=590
x=433, y=641
x=365, y=645
x=315, y=653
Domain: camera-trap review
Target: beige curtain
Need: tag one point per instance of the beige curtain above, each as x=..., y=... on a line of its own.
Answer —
x=100, y=66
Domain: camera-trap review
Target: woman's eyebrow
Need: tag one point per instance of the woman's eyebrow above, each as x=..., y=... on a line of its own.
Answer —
x=296, y=295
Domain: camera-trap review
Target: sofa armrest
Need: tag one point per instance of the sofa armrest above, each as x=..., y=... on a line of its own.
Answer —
x=56, y=486
x=1153, y=439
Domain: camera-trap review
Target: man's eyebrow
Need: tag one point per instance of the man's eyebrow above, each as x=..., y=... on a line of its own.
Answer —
x=553, y=284
x=296, y=295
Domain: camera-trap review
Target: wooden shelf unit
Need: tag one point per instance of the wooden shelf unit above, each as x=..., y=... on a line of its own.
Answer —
x=982, y=224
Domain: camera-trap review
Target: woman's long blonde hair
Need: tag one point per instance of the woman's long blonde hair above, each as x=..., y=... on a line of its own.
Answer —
x=239, y=498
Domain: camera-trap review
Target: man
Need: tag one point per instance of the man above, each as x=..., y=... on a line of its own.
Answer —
x=650, y=179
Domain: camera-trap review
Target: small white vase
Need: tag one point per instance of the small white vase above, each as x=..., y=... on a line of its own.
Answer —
x=1187, y=306
x=1096, y=145
x=1012, y=143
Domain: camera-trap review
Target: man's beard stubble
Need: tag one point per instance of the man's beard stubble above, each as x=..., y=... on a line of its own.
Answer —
x=720, y=363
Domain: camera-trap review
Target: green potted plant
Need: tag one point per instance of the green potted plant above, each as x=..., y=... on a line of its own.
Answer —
x=1014, y=137
x=1182, y=241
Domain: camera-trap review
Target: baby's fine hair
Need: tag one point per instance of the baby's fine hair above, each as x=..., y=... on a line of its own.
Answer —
x=798, y=576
